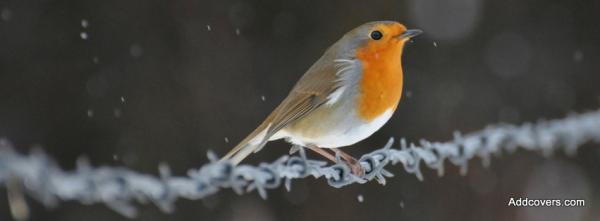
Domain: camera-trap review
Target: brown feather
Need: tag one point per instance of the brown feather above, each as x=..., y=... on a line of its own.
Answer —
x=308, y=94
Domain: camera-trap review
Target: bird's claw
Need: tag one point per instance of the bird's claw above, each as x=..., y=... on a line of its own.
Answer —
x=356, y=168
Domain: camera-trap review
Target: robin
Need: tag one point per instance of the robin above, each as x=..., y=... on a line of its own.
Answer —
x=343, y=98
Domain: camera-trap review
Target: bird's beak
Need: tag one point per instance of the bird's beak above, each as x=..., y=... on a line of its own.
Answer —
x=410, y=33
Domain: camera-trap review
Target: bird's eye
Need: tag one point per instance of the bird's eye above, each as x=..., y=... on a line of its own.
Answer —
x=376, y=35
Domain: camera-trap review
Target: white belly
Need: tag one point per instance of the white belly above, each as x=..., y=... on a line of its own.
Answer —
x=348, y=129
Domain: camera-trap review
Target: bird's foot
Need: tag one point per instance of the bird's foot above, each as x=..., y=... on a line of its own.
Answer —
x=355, y=167
x=354, y=164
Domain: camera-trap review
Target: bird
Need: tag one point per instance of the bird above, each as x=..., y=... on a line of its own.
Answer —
x=348, y=94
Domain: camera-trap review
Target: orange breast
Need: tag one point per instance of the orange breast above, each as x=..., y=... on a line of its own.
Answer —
x=381, y=84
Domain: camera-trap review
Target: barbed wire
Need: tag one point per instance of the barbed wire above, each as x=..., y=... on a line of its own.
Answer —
x=118, y=188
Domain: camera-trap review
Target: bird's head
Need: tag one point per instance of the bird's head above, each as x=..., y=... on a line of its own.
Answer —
x=375, y=36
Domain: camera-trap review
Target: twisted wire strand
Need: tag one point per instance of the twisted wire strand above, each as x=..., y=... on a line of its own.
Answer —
x=119, y=188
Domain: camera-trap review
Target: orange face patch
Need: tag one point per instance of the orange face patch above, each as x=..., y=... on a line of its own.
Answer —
x=381, y=84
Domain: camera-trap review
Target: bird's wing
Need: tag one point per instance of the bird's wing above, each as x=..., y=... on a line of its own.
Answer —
x=311, y=91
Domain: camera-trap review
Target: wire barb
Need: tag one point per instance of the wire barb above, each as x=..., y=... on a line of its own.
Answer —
x=118, y=188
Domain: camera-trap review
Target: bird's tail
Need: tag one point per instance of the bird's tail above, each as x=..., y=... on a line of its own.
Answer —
x=251, y=144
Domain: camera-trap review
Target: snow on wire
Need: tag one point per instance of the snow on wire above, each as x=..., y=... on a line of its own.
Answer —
x=118, y=188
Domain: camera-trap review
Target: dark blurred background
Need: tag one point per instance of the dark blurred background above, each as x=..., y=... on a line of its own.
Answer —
x=137, y=83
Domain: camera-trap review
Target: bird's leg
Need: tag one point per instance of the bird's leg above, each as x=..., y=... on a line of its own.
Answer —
x=321, y=152
x=354, y=165
x=349, y=160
